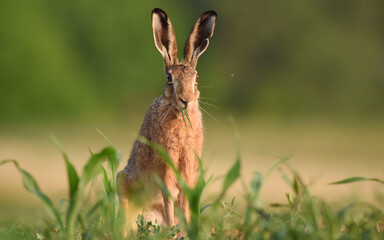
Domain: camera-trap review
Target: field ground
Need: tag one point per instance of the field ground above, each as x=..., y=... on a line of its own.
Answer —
x=322, y=153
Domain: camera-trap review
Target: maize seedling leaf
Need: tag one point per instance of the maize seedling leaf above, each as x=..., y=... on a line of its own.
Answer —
x=31, y=186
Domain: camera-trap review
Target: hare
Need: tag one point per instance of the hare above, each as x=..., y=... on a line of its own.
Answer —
x=163, y=124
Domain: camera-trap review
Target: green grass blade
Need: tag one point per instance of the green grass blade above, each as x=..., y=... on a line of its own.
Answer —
x=104, y=136
x=277, y=163
x=113, y=163
x=193, y=195
x=349, y=180
x=232, y=175
x=95, y=207
x=256, y=182
x=163, y=188
x=161, y=151
x=105, y=180
x=73, y=178
x=31, y=186
x=205, y=207
x=164, y=155
x=357, y=179
x=90, y=151
x=189, y=120
x=182, y=114
x=254, y=199
x=91, y=169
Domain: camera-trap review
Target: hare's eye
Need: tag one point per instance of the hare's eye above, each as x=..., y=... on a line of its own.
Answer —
x=197, y=78
x=169, y=79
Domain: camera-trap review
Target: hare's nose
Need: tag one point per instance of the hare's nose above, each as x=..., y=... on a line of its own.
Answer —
x=185, y=103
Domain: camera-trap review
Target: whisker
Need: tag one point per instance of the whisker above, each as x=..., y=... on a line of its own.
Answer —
x=210, y=115
x=168, y=112
x=207, y=98
x=161, y=117
x=165, y=114
x=209, y=104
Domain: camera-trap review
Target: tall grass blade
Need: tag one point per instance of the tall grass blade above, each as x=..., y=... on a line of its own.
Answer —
x=73, y=178
x=91, y=169
x=112, y=161
x=31, y=186
x=95, y=207
x=189, y=120
x=232, y=175
x=104, y=136
x=107, y=183
x=357, y=179
x=277, y=163
x=193, y=195
x=182, y=114
x=163, y=188
x=164, y=155
x=205, y=207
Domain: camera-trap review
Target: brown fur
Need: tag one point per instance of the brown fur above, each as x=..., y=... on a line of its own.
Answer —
x=163, y=124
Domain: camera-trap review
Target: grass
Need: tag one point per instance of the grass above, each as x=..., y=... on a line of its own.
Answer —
x=301, y=216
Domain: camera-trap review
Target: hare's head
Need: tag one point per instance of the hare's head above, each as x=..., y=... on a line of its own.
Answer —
x=181, y=77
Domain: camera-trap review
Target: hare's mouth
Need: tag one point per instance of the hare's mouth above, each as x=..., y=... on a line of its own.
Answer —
x=180, y=107
x=180, y=103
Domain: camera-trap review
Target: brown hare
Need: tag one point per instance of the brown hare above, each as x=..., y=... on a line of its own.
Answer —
x=163, y=124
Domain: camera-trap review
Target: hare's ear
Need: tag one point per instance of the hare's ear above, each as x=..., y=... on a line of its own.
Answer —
x=198, y=41
x=164, y=35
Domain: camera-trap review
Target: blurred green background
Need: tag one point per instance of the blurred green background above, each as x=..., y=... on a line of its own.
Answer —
x=302, y=77
x=282, y=59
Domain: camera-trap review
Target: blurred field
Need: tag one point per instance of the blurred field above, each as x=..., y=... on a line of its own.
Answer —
x=321, y=154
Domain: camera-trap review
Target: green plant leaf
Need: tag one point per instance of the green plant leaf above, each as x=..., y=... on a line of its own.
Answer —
x=189, y=120
x=232, y=175
x=73, y=178
x=278, y=205
x=105, y=137
x=105, y=180
x=205, y=207
x=182, y=114
x=31, y=186
x=277, y=163
x=193, y=195
x=164, y=155
x=256, y=187
x=160, y=183
x=357, y=179
x=92, y=168
x=256, y=182
x=95, y=207
x=113, y=162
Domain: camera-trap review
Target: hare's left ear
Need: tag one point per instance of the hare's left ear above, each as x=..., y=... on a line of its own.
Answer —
x=164, y=36
x=197, y=41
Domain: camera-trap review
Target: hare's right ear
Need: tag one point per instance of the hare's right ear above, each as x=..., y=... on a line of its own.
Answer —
x=164, y=35
x=197, y=41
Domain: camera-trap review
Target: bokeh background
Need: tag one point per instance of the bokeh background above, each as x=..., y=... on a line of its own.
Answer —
x=298, y=77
